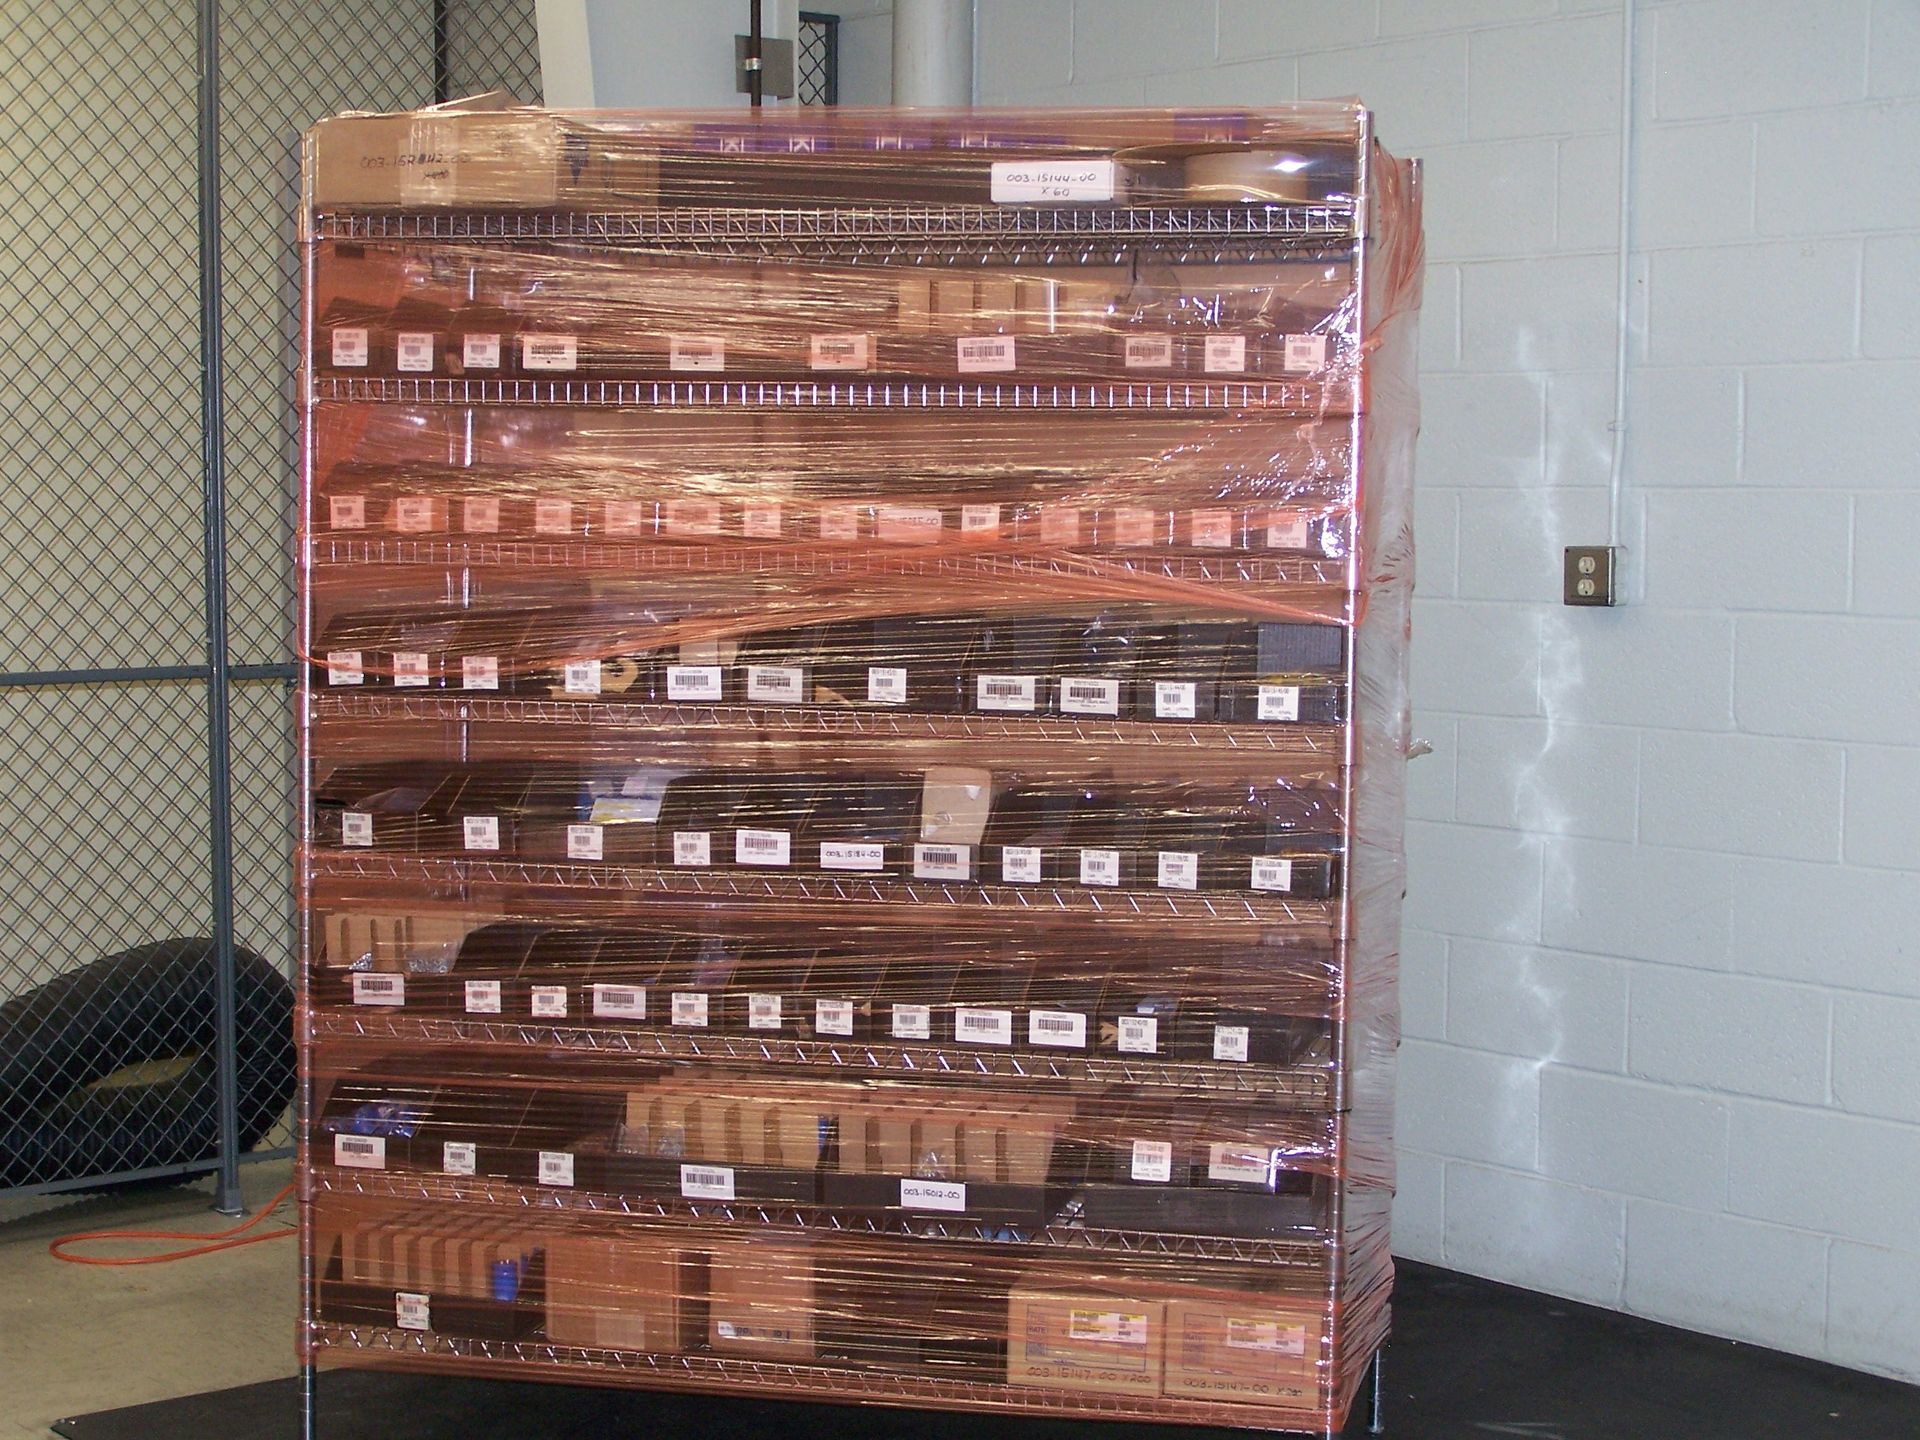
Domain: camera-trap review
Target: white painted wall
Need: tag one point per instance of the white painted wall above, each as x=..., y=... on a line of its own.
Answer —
x=1662, y=964
x=629, y=54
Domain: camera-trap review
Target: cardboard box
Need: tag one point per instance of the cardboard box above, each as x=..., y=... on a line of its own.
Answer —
x=1067, y=1335
x=761, y=1300
x=387, y=943
x=1244, y=1347
x=630, y=1293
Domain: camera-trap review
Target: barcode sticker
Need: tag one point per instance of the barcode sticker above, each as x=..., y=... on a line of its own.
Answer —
x=1005, y=692
x=1268, y=1335
x=839, y=352
x=942, y=862
x=413, y=514
x=689, y=1009
x=1212, y=529
x=840, y=522
x=760, y=522
x=458, y=1157
x=347, y=512
x=696, y=352
x=360, y=1152
x=1110, y=1327
x=1279, y=702
x=550, y=1002
x=620, y=1002
x=1305, y=354
x=1230, y=1042
x=1089, y=695
x=886, y=685
x=586, y=842
x=1226, y=354
x=1020, y=864
x=979, y=519
x=1179, y=870
x=1139, y=1034
x=409, y=669
x=1134, y=525
x=480, y=515
x=581, y=677
x=414, y=351
x=1287, y=530
x=552, y=516
x=1152, y=1161
x=483, y=997
x=379, y=989
x=1240, y=1164
x=344, y=667
x=1099, y=867
x=350, y=347
x=776, y=684
x=978, y=353
x=356, y=829
x=833, y=1017
x=691, y=517
x=1059, y=1029
x=852, y=855
x=556, y=1168
x=983, y=1027
x=1149, y=352
x=1173, y=699
x=692, y=847
x=693, y=682
x=763, y=847
x=1059, y=525
x=628, y=517
x=1270, y=873
x=908, y=524
x=945, y=1195
x=549, y=352
x=480, y=352
x=479, y=672
x=480, y=832
x=763, y=1012
x=706, y=1182
x=1049, y=182
x=410, y=1311
x=912, y=1022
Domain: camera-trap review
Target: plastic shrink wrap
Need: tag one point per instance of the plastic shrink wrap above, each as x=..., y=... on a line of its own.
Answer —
x=853, y=734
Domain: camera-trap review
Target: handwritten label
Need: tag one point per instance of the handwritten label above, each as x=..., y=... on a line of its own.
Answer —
x=908, y=524
x=1050, y=182
x=847, y=855
x=933, y=1195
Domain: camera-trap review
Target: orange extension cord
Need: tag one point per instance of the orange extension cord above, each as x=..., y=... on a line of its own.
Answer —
x=220, y=1240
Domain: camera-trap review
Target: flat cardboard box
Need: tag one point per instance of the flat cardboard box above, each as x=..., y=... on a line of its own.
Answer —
x=1244, y=1347
x=618, y=1294
x=1065, y=1334
x=761, y=1300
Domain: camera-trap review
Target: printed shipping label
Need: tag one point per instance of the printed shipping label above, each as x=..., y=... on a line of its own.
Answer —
x=1305, y=354
x=1272, y=874
x=1268, y=1335
x=1287, y=530
x=550, y=1002
x=1006, y=692
x=1279, y=702
x=582, y=677
x=776, y=684
x=628, y=517
x=360, y=1152
x=1059, y=525
x=458, y=1157
x=763, y=847
x=942, y=862
x=839, y=352
x=691, y=517
x=343, y=668
x=620, y=1002
x=410, y=1311
x=977, y=354
x=347, y=512
x=549, y=352
x=852, y=855
x=1174, y=699
x=1020, y=864
x=1135, y=526
x=1099, y=867
x=483, y=997
x=1089, y=695
x=409, y=669
x=1230, y=1042
x=983, y=1027
x=979, y=519
x=552, y=516
x=481, y=832
x=1152, y=1161
x=379, y=989
x=1149, y=352
x=1113, y=1327
x=706, y=1182
x=1047, y=182
x=1239, y=1165
x=556, y=1168
x=1179, y=870
x=696, y=352
x=692, y=847
x=1226, y=354
x=912, y=1022
x=833, y=1017
x=480, y=515
x=689, y=1009
x=480, y=352
x=760, y=522
x=840, y=522
x=886, y=685
x=349, y=347
x=908, y=524
x=356, y=829
x=1212, y=529
x=479, y=672
x=413, y=514
x=932, y=1195
x=1139, y=1034
x=415, y=351
x=763, y=1012
x=1061, y=1029
x=693, y=682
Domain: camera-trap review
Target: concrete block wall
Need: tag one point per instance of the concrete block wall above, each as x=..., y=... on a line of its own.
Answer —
x=1662, y=960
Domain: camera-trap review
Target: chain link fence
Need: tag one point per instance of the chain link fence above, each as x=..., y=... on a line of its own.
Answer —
x=106, y=749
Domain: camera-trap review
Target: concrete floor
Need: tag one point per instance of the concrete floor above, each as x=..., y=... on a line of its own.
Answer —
x=79, y=1338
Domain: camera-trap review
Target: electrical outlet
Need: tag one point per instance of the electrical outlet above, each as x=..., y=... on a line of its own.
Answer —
x=1589, y=576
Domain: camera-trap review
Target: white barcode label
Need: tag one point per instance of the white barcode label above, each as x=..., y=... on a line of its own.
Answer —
x=933, y=1195
x=1089, y=695
x=840, y=522
x=586, y=842
x=851, y=855
x=410, y=1311
x=1152, y=1161
x=1230, y=1042
x=762, y=847
x=479, y=672
x=628, y=517
x=1179, y=870
x=1287, y=530
x=692, y=847
x=552, y=516
x=1225, y=354
x=483, y=997
x=1110, y=1327
x=1005, y=692
x=1272, y=874
x=480, y=832
x=356, y=829
x=350, y=347
x=1050, y=182
x=1240, y=1165
x=1149, y=352
x=1020, y=864
x=360, y=1152
x=620, y=1002
x=1173, y=699
x=1059, y=525
x=1305, y=354
x=833, y=1017
x=344, y=667
x=1099, y=867
x=942, y=862
x=458, y=1157
x=1133, y=525
x=979, y=519
x=549, y=352
x=1268, y=1335
x=693, y=682
x=379, y=989
x=550, y=1002
x=886, y=685
x=1279, y=702
x=689, y=1009
x=1060, y=1029
x=556, y=1168
x=912, y=1022
x=983, y=1027
x=696, y=352
x=763, y=1012
x=415, y=351
x=1139, y=1034
x=1212, y=529
x=908, y=524
x=706, y=1182
x=776, y=684
x=480, y=515
x=582, y=677
x=760, y=522
x=347, y=512
x=413, y=514
x=691, y=517
x=839, y=352
x=409, y=669
x=977, y=353
x=480, y=352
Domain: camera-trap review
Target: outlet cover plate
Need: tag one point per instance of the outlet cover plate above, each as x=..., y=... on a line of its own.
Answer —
x=1590, y=574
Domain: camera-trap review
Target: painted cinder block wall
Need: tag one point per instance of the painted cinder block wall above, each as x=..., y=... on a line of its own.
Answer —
x=1662, y=960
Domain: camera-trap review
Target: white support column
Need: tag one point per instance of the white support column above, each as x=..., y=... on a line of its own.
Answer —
x=933, y=52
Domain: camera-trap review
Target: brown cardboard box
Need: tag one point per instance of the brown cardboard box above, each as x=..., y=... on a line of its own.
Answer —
x=1223, y=1346
x=622, y=1294
x=1068, y=1335
x=388, y=942
x=761, y=1300
x=915, y=313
